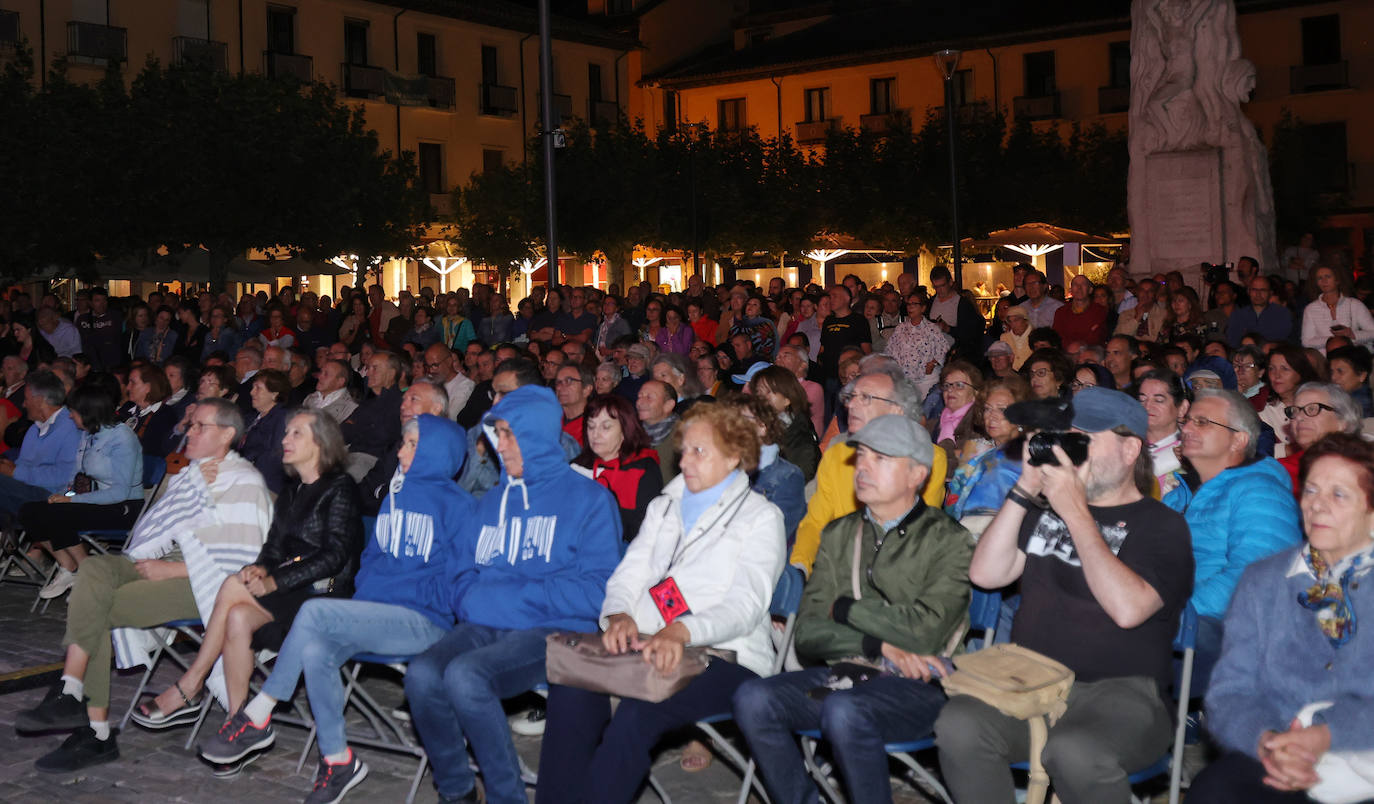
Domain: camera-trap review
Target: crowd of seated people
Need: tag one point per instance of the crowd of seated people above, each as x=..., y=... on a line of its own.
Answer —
x=436, y=478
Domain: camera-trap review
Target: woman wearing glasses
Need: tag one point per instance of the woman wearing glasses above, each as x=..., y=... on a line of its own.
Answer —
x=979, y=486
x=919, y=346
x=961, y=387
x=1048, y=372
x=1319, y=409
x=1288, y=368
x=1249, y=363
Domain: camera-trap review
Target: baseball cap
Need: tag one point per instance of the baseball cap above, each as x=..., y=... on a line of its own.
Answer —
x=999, y=348
x=743, y=379
x=1096, y=409
x=1018, y=311
x=896, y=436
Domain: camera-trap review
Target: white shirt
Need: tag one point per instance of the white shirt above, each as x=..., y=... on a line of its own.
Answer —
x=46, y=423
x=459, y=389
x=946, y=311
x=1317, y=322
x=315, y=401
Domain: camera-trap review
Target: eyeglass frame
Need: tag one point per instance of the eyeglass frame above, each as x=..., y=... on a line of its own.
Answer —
x=1194, y=420
x=866, y=399
x=1291, y=412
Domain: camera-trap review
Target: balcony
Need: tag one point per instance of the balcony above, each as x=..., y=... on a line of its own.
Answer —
x=884, y=123
x=1040, y=107
x=1111, y=100
x=562, y=109
x=811, y=132
x=362, y=81
x=289, y=65
x=440, y=92
x=499, y=101
x=93, y=43
x=963, y=112
x=603, y=114
x=9, y=29
x=1318, y=77
x=202, y=53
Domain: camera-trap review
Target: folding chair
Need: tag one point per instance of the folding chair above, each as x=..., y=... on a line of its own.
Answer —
x=983, y=611
x=1185, y=642
x=189, y=629
x=387, y=734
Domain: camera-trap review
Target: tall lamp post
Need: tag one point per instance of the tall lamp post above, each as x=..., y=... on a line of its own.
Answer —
x=948, y=63
x=551, y=137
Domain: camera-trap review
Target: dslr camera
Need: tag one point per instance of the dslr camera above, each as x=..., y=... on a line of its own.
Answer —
x=1040, y=447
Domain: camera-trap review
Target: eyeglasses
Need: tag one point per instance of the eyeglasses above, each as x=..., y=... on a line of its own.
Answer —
x=1311, y=410
x=568, y=381
x=990, y=410
x=194, y=426
x=955, y=385
x=865, y=399
x=1079, y=385
x=1244, y=366
x=1040, y=373
x=1202, y=423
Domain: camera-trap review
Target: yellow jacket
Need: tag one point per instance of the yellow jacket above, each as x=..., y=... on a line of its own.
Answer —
x=835, y=498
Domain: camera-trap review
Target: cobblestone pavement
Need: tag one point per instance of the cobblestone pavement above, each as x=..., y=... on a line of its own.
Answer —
x=154, y=767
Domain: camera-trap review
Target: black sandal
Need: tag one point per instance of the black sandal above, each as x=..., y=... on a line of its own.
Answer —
x=155, y=719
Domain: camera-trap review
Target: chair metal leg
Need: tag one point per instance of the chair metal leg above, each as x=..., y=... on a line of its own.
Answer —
x=818, y=773
x=47, y=579
x=658, y=790
x=920, y=772
x=142, y=685
x=731, y=754
x=1176, y=771
x=206, y=700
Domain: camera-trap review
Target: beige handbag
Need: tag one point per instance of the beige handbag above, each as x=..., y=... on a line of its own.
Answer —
x=581, y=660
x=1019, y=683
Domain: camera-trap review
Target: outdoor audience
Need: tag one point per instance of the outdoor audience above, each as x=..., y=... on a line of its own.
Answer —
x=753, y=448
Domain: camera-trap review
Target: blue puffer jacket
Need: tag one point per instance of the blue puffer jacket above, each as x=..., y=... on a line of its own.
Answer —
x=1242, y=515
x=982, y=487
x=783, y=485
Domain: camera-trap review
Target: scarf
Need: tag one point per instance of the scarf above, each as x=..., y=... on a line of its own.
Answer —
x=695, y=503
x=949, y=421
x=1329, y=596
x=659, y=431
x=603, y=331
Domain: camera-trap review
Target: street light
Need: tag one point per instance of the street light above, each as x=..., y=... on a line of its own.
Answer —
x=947, y=61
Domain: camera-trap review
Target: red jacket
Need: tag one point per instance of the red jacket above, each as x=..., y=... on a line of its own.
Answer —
x=1088, y=327
x=634, y=481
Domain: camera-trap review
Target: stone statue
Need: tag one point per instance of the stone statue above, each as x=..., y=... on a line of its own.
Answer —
x=1188, y=137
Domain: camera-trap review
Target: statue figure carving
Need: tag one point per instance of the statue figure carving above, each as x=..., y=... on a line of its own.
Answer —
x=1188, y=81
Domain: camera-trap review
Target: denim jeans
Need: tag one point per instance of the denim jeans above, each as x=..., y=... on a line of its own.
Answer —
x=856, y=723
x=590, y=757
x=14, y=493
x=324, y=635
x=455, y=690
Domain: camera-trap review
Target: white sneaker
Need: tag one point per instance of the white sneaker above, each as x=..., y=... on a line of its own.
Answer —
x=529, y=723
x=59, y=584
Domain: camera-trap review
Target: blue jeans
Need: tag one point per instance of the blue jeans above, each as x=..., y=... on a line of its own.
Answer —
x=324, y=635
x=14, y=493
x=856, y=723
x=455, y=690
x=589, y=756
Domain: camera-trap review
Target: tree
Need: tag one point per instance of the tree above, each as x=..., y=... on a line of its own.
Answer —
x=494, y=217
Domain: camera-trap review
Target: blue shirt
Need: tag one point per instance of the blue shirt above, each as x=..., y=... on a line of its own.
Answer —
x=1275, y=323
x=48, y=460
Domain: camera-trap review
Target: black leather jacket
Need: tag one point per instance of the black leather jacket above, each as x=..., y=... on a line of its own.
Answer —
x=316, y=535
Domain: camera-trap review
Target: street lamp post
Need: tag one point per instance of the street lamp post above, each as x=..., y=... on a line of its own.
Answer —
x=948, y=63
x=549, y=135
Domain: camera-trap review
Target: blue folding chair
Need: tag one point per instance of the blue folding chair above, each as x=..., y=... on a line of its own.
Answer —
x=983, y=611
x=1185, y=642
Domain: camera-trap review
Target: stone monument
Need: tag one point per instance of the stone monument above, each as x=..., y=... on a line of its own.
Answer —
x=1198, y=188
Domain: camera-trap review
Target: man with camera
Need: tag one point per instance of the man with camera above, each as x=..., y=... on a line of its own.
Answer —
x=1105, y=571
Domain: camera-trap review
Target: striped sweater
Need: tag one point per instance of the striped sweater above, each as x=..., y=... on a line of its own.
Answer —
x=219, y=528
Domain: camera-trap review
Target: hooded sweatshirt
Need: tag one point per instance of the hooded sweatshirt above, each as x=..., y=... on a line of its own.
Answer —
x=422, y=522
x=544, y=543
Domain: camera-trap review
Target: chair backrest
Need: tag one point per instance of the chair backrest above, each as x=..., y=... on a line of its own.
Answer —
x=154, y=468
x=983, y=609
x=1186, y=638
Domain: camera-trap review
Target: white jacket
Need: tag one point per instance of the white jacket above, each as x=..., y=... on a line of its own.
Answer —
x=726, y=569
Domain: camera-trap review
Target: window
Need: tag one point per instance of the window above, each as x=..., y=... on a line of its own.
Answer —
x=594, y=82
x=426, y=55
x=431, y=158
x=731, y=114
x=1324, y=148
x=491, y=73
x=1119, y=65
x=882, y=95
x=281, y=30
x=355, y=42
x=1040, y=74
x=962, y=84
x=9, y=28
x=1321, y=39
x=759, y=36
x=817, y=104
x=670, y=109
x=493, y=159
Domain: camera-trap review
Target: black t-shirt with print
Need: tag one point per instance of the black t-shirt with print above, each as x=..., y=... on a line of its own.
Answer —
x=1059, y=616
x=836, y=334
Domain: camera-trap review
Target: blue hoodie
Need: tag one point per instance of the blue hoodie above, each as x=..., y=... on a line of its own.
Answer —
x=421, y=523
x=546, y=543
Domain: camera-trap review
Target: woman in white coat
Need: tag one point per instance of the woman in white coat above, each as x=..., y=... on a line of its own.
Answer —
x=723, y=547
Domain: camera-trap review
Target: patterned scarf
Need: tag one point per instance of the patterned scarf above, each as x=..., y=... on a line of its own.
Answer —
x=659, y=431
x=1329, y=596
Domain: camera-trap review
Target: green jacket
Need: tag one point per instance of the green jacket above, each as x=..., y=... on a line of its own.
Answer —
x=913, y=583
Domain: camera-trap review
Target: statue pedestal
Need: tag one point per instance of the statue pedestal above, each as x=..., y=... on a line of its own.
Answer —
x=1183, y=201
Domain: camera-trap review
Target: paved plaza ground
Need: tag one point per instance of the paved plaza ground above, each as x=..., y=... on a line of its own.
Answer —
x=154, y=767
